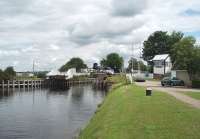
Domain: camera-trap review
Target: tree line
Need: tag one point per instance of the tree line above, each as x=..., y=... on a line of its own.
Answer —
x=112, y=61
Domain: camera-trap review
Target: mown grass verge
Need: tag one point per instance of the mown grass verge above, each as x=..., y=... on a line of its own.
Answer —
x=195, y=95
x=128, y=114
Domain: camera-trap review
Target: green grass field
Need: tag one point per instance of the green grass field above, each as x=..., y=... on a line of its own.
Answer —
x=128, y=114
x=195, y=95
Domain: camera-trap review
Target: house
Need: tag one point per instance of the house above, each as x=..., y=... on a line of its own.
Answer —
x=55, y=74
x=162, y=65
x=25, y=74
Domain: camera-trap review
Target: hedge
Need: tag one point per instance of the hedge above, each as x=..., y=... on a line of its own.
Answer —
x=196, y=83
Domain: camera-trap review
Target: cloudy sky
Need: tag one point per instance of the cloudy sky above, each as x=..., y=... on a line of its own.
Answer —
x=52, y=31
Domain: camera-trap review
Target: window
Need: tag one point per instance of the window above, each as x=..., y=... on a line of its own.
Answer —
x=158, y=63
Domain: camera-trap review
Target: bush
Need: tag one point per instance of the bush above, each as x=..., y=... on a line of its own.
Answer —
x=93, y=75
x=80, y=78
x=115, y=79
x=196, y=83
x=41, y=74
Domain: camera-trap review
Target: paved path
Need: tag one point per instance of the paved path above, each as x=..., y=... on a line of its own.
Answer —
x=174, y=91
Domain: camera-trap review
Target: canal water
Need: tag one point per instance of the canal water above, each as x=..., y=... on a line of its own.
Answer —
x=46, y=114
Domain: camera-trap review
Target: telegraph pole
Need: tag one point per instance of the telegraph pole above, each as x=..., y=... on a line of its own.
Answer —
x=140, y=55
x=33, y=67
x=132, y=55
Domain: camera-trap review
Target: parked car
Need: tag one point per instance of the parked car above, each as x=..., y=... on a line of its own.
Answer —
x=172, y=81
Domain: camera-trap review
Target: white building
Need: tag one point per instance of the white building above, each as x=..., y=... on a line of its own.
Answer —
x=162, y=65
x=68, y=74
x=25, y=74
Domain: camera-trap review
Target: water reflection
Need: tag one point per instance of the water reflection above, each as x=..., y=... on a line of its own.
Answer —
x=46, y=114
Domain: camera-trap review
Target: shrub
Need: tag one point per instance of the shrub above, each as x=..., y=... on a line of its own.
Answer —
x=196, y=83
x=80, y=78
x=93, y=75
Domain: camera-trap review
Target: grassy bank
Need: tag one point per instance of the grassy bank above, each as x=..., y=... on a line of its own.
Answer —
x=127, y=114
x=118, y=81
x=195, y=95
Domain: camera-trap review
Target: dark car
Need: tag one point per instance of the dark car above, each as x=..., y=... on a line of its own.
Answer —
x=167, y=81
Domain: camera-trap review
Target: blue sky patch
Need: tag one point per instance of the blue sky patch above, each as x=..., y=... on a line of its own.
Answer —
x=195, y=34
x=191, y=12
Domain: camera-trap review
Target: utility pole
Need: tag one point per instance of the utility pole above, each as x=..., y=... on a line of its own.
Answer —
x=140, y=54
x=132, y=55
x=33, y=67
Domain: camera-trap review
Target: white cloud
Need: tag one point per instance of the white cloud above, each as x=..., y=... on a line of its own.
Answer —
x=53, y=31
x=29, y=49
x=54, y=47
x=4, y=53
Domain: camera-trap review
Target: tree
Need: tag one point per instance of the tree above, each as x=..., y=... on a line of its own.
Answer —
x=103, y=63
x=114, y=61
x=132, y=63
x=182, y=53
x=160, y=43
x=194, y=67
x=41, y=74
x=95, y=66
x=136, y=64
x=9, y=73
x=155, y=44
x=174, y=38
x=2, y=75
x=74, y=63
x=143, y=67
x=185, y=56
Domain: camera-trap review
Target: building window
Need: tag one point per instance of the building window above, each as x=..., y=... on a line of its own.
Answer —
x=158, y=64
